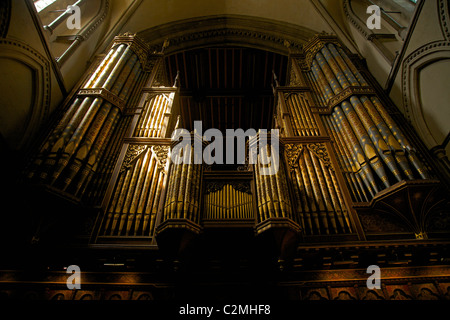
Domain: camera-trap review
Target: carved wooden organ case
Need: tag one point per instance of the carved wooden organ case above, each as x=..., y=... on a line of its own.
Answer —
x=349, y=167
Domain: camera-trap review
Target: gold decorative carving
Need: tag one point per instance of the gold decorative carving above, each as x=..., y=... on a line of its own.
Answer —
x=320, y=150
x=133, y=152
x=350, y=91
x=104, y=94
x=294, y=81
x=136, y=44
x=293, y=152
x=237, y=185
x=161, y=153
x=316, y=44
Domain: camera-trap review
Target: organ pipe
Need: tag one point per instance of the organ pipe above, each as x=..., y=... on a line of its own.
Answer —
x=369, y=144
x=70, y=154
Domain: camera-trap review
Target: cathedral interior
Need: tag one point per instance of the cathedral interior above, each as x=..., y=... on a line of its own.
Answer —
x=358, y=117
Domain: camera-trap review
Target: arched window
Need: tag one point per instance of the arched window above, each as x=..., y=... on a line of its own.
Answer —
x=69, y=23
x=42, y=4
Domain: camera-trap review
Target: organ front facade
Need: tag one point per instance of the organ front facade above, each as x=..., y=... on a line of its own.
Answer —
x=354, y=185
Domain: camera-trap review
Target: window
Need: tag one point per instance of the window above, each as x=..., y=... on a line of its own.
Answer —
x=42, y=4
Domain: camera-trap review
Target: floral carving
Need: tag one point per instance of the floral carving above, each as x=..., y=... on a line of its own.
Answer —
x=293, y=152
x=133, y=152
x=321, y=152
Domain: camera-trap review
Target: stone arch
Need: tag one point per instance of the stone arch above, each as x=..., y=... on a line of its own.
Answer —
x=414, y=97
x=246, y=31
x=26, y=108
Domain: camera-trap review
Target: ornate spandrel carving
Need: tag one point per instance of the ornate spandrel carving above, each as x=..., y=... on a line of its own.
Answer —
x=294, y=81
x=161, y=153
x=133, y=152
x=293, y=152
x=320, y=150
x=218, y=185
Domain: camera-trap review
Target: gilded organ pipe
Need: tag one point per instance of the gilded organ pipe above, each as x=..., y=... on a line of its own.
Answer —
x=182, y=200
x=322, y=81
x=352, y=67
x=314, y=209
x=367, y=140
x=332, y=63
x=421, y=169
x=355, y=150
x=366, y=144
x=343, y=66
x=329, y=75
x=382, y=148
x=70, y=155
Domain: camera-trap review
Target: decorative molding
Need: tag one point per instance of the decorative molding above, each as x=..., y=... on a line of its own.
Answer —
x=418, y=59
x=354, y=19
x=137, y=45
x=444, y=18
x=229, y=33
x=414, y=62
x=279, y=37
x=293, y=152
x=347, y=93
x=400, y=57
x=133, y=152
x=161, y=152
x=317, y=43
x=104, y=94
x=16, y=50
x=87, y=32
x=320, y=150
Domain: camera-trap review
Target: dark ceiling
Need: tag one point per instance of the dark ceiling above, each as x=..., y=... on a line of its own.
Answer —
x=227, y=87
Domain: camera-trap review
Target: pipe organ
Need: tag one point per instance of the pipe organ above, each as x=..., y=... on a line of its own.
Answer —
x=344, y=149
x=319, y=199
x=184, y=191
x=369, y=144
x=70, y=155
x=224, y=201
x=342, y=156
